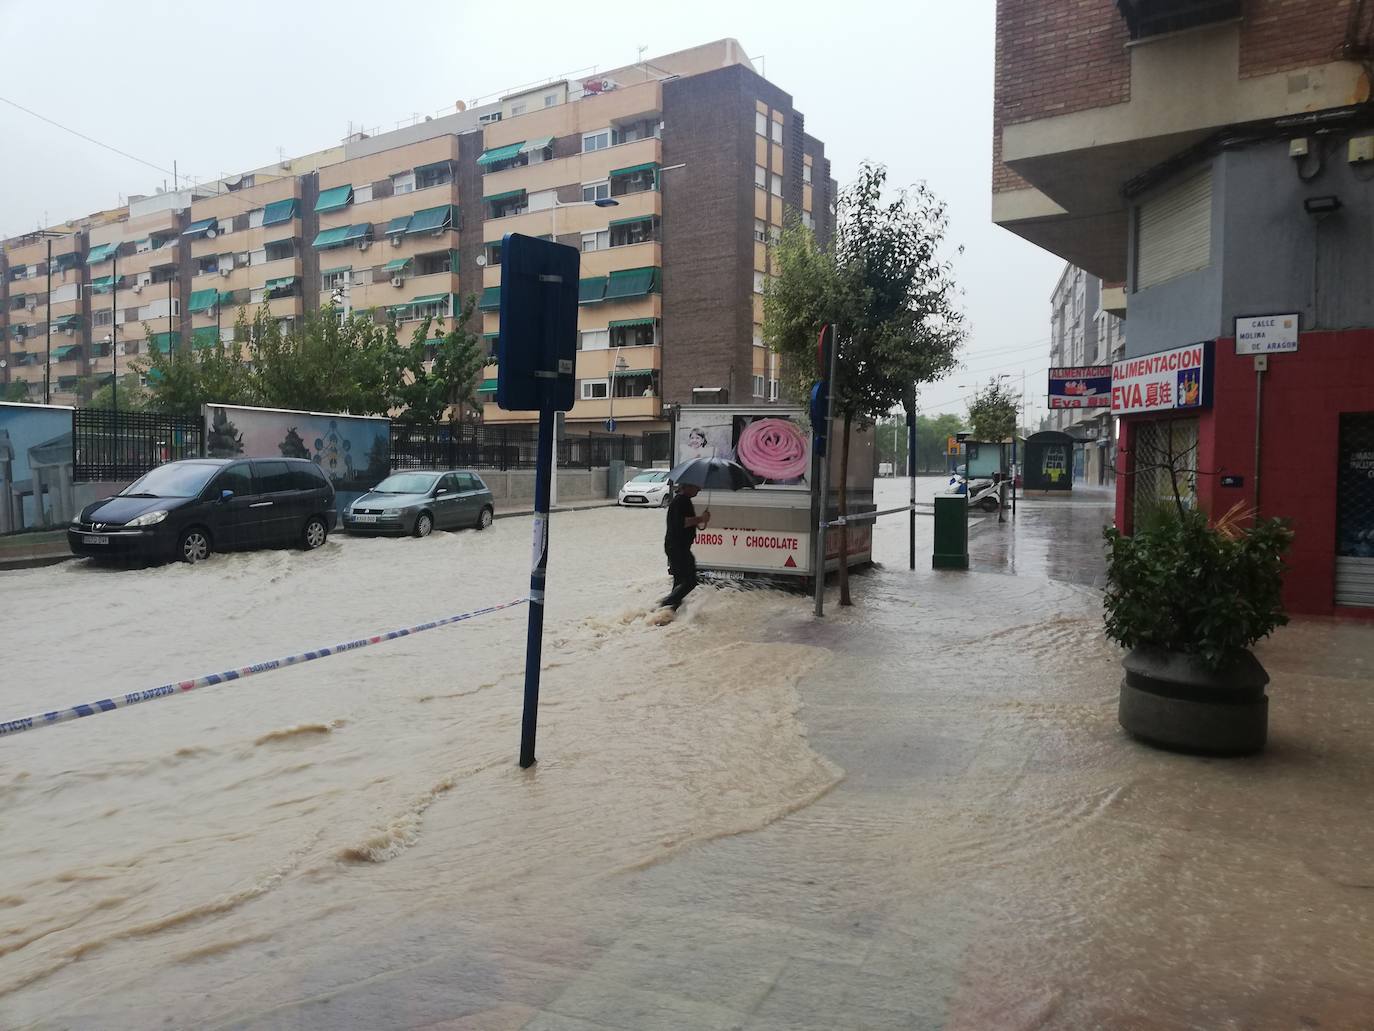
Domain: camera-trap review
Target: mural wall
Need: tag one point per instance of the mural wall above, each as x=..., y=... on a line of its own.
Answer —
x=36, y=488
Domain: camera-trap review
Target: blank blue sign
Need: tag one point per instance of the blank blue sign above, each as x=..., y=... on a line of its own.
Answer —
x=537, y=349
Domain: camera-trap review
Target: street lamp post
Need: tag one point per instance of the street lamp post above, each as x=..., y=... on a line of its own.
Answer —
x=620, y=365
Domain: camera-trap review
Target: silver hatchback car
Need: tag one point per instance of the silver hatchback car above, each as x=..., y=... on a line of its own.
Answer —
x=418, y=502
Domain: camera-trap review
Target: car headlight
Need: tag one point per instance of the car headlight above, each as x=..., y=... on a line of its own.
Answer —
x=148, y=518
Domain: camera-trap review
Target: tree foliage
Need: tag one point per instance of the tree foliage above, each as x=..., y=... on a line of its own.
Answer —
x=320, y=363
x=992, y=412
x=932, y=434
x=885, y=287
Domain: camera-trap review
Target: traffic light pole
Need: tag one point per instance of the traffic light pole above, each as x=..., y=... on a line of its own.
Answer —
x=539, y=558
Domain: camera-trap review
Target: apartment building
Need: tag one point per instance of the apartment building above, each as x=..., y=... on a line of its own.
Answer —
x=671, y=176
x=1083, y=333
x=44, y=302
x=1216, y=159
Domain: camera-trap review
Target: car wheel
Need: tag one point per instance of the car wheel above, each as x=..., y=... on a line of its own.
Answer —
x=194, y=545
x=424, y=523
x=484, y=520
x=667, y=500
x=315, y=533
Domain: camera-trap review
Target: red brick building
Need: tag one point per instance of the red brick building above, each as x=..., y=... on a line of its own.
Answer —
x=1215, y=158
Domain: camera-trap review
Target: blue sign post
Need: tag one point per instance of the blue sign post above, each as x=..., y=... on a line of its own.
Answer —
x=536, y=353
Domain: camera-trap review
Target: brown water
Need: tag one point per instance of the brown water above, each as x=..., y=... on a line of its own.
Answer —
x=916, y=814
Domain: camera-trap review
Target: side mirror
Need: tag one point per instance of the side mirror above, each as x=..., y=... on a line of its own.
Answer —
x=225, y=495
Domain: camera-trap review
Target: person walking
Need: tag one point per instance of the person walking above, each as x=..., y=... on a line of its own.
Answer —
x=683, y=523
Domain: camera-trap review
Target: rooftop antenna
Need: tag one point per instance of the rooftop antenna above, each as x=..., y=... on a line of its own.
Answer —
x=639, y=57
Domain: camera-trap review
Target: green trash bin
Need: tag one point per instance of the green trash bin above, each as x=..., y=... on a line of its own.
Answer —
x=951, y=532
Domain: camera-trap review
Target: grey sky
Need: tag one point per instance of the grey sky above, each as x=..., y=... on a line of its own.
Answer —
x=219, y=88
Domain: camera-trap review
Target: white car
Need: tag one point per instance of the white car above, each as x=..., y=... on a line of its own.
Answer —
x=647, y=489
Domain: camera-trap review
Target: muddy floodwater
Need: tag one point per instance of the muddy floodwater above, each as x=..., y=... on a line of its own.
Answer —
x=916, y=813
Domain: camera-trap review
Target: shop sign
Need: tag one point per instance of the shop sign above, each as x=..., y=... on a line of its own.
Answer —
x=1266, y=334
x=763, y=551
x=1081, y=386
x=1180, y=379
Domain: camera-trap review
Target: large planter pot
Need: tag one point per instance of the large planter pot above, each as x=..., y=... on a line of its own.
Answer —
x=1172, y=701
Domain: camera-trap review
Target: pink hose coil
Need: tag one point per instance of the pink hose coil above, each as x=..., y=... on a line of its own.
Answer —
x=773, y=449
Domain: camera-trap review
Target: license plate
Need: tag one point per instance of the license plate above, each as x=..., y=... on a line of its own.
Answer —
x=364, y=518
x=95, y=540
x=633, y=499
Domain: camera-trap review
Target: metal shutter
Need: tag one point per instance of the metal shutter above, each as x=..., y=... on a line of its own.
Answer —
x=1355, y=510
x=1174, y=232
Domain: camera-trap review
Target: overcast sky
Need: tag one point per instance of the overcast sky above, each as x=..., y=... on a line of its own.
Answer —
x=219, y=88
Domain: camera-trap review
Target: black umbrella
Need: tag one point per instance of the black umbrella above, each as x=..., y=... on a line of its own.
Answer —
x=713, y=474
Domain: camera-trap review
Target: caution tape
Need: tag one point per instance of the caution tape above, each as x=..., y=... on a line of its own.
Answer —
x=48, y=719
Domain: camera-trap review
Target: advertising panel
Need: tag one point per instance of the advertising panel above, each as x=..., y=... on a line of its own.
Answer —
x=758, y=551
x=1178, y=379
x=36, y=487
x=776, y=448
x=1081, y=386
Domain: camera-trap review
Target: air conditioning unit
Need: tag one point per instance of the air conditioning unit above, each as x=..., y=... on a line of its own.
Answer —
x=396, y=241
x=138, y=288
x=397, y=281
x=364, y=244
x=224, y=272
x=210, y=234
x=210, y=313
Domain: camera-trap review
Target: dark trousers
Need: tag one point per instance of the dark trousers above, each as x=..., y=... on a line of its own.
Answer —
x=684, y=570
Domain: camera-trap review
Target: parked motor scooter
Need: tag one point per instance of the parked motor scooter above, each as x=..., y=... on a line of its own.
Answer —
x=982, y=493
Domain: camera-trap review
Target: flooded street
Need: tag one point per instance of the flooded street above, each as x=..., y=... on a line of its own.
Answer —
x=917, y=813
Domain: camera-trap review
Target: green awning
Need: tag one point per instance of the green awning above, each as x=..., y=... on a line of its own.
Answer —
x=491, y=299
x=104, y=379
x=65, y=352
x=396, y=264
x=361, y=231
x=488, y=387
x=432, y=298
x=205, y=336
x=333, y=200
x=431, y=218
x=490, y=157
x=101, y=252
x=164, y=342
x=397, y=225
x=490, y=336
x=279, y=211
x=628, y=221
x=634, y=282
x=627, y=323
x=200, y=227
x=648, y=166
x=279, y=284
x=503, y=196
x=63, y=262
x=593, y=289
x=529, y=146
x=335, y=237
x=434, y=166
x=336, y=271
x=202, y=300
x=102, y=284
x=66, y=322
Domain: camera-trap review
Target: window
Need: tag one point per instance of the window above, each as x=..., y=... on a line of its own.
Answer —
x=432, y=264
x=255, y=217
x=595, y=389
x=594, y=340
x=517, y=109
x=487, y=119
x=306, y=477
x=209, y=263
x=760, y=230
x=255, y=295
x=1174, y=232
x=430, y=310
x=403, y=183
x=362, y=194
x=806, y=173
x=645, y=334
x=761, y=177
x=596, y=241
x=468, y=482
x=760, y=123
x=279, y=249
x=551, y=100
x=102, y=317
x=599, y=140
x=807, y=220
x=18, y=302
x=596, y=191
x=758, y=386
x=225, y=225
x=1153, y=19
x=493, y=253
x=542, y=200
x=627, y=234
x=772, y=390
x=758, y=282
x=777, y=185
x=758, y=336
x=777, y=131
x=272, y=477
x=437, y=174
x=333, y=279
x=235, y=478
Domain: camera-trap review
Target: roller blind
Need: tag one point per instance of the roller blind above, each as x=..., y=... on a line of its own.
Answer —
x=1174, y=232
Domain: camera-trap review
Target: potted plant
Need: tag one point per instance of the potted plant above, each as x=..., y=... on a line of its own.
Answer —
x=1189, y=598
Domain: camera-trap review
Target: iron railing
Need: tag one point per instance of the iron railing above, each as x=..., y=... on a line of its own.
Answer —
x=471, y=446
x=115, y=446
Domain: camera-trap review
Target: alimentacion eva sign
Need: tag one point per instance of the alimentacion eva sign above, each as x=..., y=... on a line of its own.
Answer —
x=1180, y=378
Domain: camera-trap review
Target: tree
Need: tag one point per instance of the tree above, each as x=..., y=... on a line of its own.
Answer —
x=323, y=363
x=992, y=412
x=16, y=390
x=932, y=433
x=450, y=381
x=886, y=290
x=131, y=395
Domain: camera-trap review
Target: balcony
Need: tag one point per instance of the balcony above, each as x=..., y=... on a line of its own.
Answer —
x=384, y=295
x=578, y=218
x=586, y=114
x=590, y=167
x=639, y=408
x=597, y=364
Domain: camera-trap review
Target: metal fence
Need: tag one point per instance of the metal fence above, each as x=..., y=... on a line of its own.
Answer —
x=110, y=445
x=471, y=446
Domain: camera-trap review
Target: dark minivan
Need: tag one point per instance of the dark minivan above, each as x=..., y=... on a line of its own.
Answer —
x=186, y=510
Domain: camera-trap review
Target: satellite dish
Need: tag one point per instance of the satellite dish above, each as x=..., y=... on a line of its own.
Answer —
x=481, y=261
x=460, y=105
